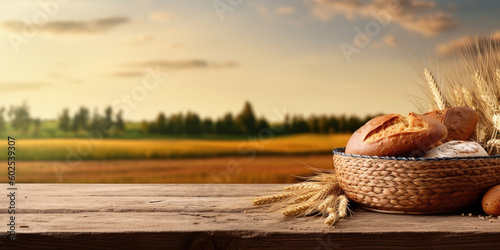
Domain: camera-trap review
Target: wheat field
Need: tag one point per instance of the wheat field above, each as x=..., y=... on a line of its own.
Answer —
x=261, y=169
x=123, y=149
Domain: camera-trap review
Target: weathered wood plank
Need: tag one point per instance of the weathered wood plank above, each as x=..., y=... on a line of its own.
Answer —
x=159, y=216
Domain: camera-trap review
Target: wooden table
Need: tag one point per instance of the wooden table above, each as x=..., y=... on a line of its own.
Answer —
x=213, y=216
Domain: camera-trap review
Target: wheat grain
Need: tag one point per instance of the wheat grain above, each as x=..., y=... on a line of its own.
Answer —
x=343, y=203
x=272, y=198
x=436, y=92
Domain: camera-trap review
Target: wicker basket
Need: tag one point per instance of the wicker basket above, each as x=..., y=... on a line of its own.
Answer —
x=415, y=185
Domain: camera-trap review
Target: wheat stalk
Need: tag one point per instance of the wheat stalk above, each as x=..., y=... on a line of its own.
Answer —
x=436, y=92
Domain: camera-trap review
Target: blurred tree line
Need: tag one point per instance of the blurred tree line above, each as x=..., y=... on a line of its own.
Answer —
x=21, y=121
x=246, y=123
x=243, y=123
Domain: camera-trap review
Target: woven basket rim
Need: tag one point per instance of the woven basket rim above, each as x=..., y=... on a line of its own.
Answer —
x=341, y=151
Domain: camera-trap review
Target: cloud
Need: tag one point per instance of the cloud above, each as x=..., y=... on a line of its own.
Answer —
x=127, y=74
x=471, y=45
x=182, y=64
x=412, y=15
x=64, y=78
x=69, y=27
x=21, y=86
x=140, y=39
x=285, y=10
x=391, y=41
x=161, y=16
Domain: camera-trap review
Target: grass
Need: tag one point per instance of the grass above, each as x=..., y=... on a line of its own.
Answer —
x=261, y=169
x=77, y=149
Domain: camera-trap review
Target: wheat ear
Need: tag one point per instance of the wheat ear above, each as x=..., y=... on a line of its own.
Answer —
x=294, y=211
x=327, y=203
x=303, y=185
x=497, y=76
x=436, y=92
x=333, y=215
x=468, y=99
x=272, y=198
x=304, y=197
x=485, y=94
x=343, y=203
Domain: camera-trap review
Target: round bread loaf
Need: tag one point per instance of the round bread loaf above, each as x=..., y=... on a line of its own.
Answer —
x=491, y=201
x=460, y=122
x=457, y=149
x=396, y=135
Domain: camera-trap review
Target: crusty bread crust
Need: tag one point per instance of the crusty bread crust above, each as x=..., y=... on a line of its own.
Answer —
x=460, y=122
x=396, y=135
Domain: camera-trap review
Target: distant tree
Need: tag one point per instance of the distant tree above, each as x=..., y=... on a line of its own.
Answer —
x=322, y=124
x=64, y=120
x=96, y=122
x=246, y=119
x=20, y=117
x=353, y=123
x=161, y=123
x=312, y=123
x=287, y=124
x=144, y=127
x=107, y=121
x=37, y=123
x=2, y=120
x=81, y=119
x=261, y=124
x=299, y=125
x=230, y=127
x=176, y=124
x=120, y=124
x=207, y=126
x=193, y=124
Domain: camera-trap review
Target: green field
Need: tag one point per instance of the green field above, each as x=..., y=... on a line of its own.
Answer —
x=76, y=149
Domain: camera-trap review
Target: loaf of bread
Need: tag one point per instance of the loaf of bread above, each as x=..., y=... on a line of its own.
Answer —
x=396, y=135
x=460, y=122
x=457, y=149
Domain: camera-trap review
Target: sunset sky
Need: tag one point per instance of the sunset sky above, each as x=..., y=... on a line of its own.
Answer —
x=211, y=56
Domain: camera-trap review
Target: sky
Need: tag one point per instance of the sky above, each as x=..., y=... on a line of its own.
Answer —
x=283, y=56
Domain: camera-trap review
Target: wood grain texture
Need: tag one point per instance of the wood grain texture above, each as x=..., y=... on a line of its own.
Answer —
x=214, y=216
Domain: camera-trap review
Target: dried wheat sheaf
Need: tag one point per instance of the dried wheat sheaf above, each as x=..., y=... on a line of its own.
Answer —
x=320, y=195
x=472, y=80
